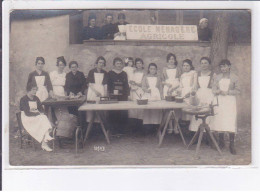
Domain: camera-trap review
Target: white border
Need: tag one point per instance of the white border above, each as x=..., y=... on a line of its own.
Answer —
x=176, y=177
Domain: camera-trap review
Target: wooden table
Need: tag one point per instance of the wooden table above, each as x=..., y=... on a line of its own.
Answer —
x=168, y=112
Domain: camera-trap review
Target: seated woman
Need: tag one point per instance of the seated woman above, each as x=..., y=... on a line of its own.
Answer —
x=74, y=84
x=152, y=86
x=118, y=88
x=97, y=82
x=66, y=122
x=109, y=29
x=41, y=79
x=91, y=32
x=33, y=118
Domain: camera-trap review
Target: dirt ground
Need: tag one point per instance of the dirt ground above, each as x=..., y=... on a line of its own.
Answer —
x=133, y=149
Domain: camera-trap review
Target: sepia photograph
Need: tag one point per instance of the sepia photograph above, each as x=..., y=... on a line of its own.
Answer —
x=129, y=87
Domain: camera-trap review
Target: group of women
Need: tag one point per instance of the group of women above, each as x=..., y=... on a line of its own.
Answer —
x=109, y=30
x=129, y=81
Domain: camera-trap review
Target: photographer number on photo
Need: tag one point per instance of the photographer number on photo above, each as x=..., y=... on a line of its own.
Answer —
x=99, y=148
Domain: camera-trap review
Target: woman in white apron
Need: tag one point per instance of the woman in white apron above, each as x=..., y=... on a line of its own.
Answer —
x=188, y=83
x=66, y=122
x=226, y=87
x=204, y=91
x=153, y=92
x=136, y=90
x=97, y=82
x=33, y=118
x=170, y=77
x=41, y=79
x=188, y=79
x=58, y=78
x=129, y=69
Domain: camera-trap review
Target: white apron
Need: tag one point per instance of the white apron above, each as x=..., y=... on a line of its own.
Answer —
x=130, y=76
x=205, y=96
x=42, y=92
x=171, y=74
x=92, y=95
x=226, y=113
x=58, y=83
x=152, y=116
x=36, y=126
x=137, y=77
x=186, y=83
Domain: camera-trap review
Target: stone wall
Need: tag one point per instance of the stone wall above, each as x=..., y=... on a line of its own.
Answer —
x=49, y=38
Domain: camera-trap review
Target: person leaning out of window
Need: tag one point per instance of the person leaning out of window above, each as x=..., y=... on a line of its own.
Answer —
x=204, y=32
x=91, y=32
x=120, y=33
x=109, y=29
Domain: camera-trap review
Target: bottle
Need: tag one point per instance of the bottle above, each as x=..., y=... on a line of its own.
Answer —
x=194, y=100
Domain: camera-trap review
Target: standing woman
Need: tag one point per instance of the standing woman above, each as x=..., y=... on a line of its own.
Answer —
x=41, y=79
x=74, y=84
x=97, y=82
x=226, y=87
x=58, y=77
x=66, y=122
x=152, y=87
x=33, y=118
x=188, y=79
x=204, y=89
x=118, y=88
x=137, y=92
x=188, y=83
x=129, y=67
x=170, y=76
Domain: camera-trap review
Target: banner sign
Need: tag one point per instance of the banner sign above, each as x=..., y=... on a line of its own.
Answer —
x=161, y=32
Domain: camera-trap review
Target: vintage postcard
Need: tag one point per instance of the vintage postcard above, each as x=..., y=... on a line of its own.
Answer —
x=99, y=85
x=129, y=87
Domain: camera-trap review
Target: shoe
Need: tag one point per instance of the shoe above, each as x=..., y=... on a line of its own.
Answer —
x=45, y=147
x=48, y=138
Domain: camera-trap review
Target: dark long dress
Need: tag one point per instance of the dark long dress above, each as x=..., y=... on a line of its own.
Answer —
x=204, y=34
x=118, y=82
x=75, y=84
x=108, y=31
x=91, y=32
x=43, y=87
x=25, y=107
